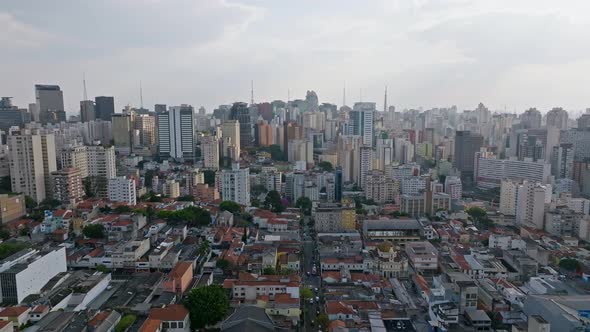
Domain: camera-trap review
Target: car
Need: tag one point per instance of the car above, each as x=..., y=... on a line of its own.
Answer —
x=317, y=311
x=308, y=273
x=312, y=323
x=315, y=289
x=310, y=301
x=317, y=298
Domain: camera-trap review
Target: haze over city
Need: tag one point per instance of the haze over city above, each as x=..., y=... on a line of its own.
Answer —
x=507, y=54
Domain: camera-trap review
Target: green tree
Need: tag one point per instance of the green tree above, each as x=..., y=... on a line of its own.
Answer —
x=186, y=198
x=203, y=248
x=569, y=264
x=24, y=231
x=4, y=234
x=273, y=202
x=258, y=189
x=102, y=268
x=206, y=305
x=49, y=204
x=306, y=293
x=10, y=247
x=223, y=264
x=105, y=209
x=193, y=216
x=88, y=190
x=209, y=176
x=276, y=153
x=323, y=320
x=326, y=166
x=30, y=203
x=125, y=323
x=269, y=270
x=476, y=213
x=230, y=206
x=122, y=209
x=304, y=204
x=94, y=231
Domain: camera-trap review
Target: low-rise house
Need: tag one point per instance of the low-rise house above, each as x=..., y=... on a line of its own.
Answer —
x=248, y=287
x=38, y=312
x=179, y=279
x=174, y=318
x=338, y=310
x=17, y=315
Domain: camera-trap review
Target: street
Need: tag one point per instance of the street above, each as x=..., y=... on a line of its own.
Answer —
x=311, y=281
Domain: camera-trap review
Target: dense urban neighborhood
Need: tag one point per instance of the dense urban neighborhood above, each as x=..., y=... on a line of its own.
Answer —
x=292, y=216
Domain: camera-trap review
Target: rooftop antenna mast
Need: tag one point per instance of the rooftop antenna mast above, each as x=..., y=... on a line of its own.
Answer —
x=140, y=95
x=344, y=94
x=84, y=84
x=252, y=92
x=288, y=95
x=385, y=101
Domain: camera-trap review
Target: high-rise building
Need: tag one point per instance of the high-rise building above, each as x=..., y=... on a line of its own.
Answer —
x=32, y=159
x=466, y=145
x=101, y=168
x=365, y=165
x=235, y=185
x=531, y=119
x=508, y=192
x=11, y=115
x=176, y=133
x=87, y=111
x=67, y=186
x=104, y=107
x=145, y=124
x=530, y=204
x=490, y=171
x=338, y=185
x=210, y=152
x=240, y=111
x=75, y=156
x=453, y=187
x=557, y=118
x=50, y=103
x=122, y=190
x=562, y=161
x=122, y=130
x=265, y=134
x=378, y=187
x=362, y=122
x=231, y=137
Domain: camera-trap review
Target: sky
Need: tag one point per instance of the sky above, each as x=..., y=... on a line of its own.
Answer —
x=510, y=55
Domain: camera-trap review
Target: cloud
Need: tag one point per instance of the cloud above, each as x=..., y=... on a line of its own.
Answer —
x=20, y=35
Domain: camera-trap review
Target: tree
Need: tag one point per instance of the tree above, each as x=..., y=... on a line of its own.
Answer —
x=269, y=270
x=4, y=234
x=88, y=191
x=245, y=235
x=122, y=209
x=569, y=264
x=105, y=209
x=94, y=231
x=24, y=231
x=209, y=176
x=258, y=189
x=125, y=323
x=326, y=166
x=476, y=213
x=304, y=204
x=5, y=186
x=230, y=206
x=49, y=204
x=273, y=202
x=30, y=203
x=102, y=268
x=306, y=293
x=223, y=264
x=203, y=248
x=323, y=320
x=206, y=305
x=186, y=198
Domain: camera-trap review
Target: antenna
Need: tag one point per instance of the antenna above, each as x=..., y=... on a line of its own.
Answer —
x=288, y=95
x=385, y=101
x=84, y=84
x=252, y=92
x=344, y=94
x=140, y=95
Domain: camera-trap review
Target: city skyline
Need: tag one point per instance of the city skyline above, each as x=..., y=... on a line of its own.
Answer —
x=428, y=53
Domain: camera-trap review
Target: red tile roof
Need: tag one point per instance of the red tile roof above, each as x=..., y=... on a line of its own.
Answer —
x=174, y=312
x=13, y=311
x=337, y=307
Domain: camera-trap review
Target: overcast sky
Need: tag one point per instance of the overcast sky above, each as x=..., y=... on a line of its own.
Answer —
x=504, y=53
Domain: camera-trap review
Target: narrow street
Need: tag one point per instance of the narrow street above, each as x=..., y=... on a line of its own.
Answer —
x=311, y=281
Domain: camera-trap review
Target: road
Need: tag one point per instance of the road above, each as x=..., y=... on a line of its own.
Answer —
x=309, y=259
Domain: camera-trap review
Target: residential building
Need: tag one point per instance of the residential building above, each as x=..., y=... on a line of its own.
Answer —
x=75, y=156
x=179, y=279
x=173, y=318
x=490, y=171
x=171, y=188
x=122, y=189
x=210, y=152
x=32, y=159
x=235, y=185
x=67, y=186
x=530, y=204
x=101, y=168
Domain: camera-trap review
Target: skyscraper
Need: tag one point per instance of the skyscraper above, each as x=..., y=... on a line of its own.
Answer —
x=104, y=107
x=50, y=103
x=210, y=152
x=240, y=111
x=361, y=122
x=466, y=145
x=122, y=132
x=11, y=115
x=558, y=118
x=87, y=111
x=231, y=137
x=531, y=119
x=176, y=133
